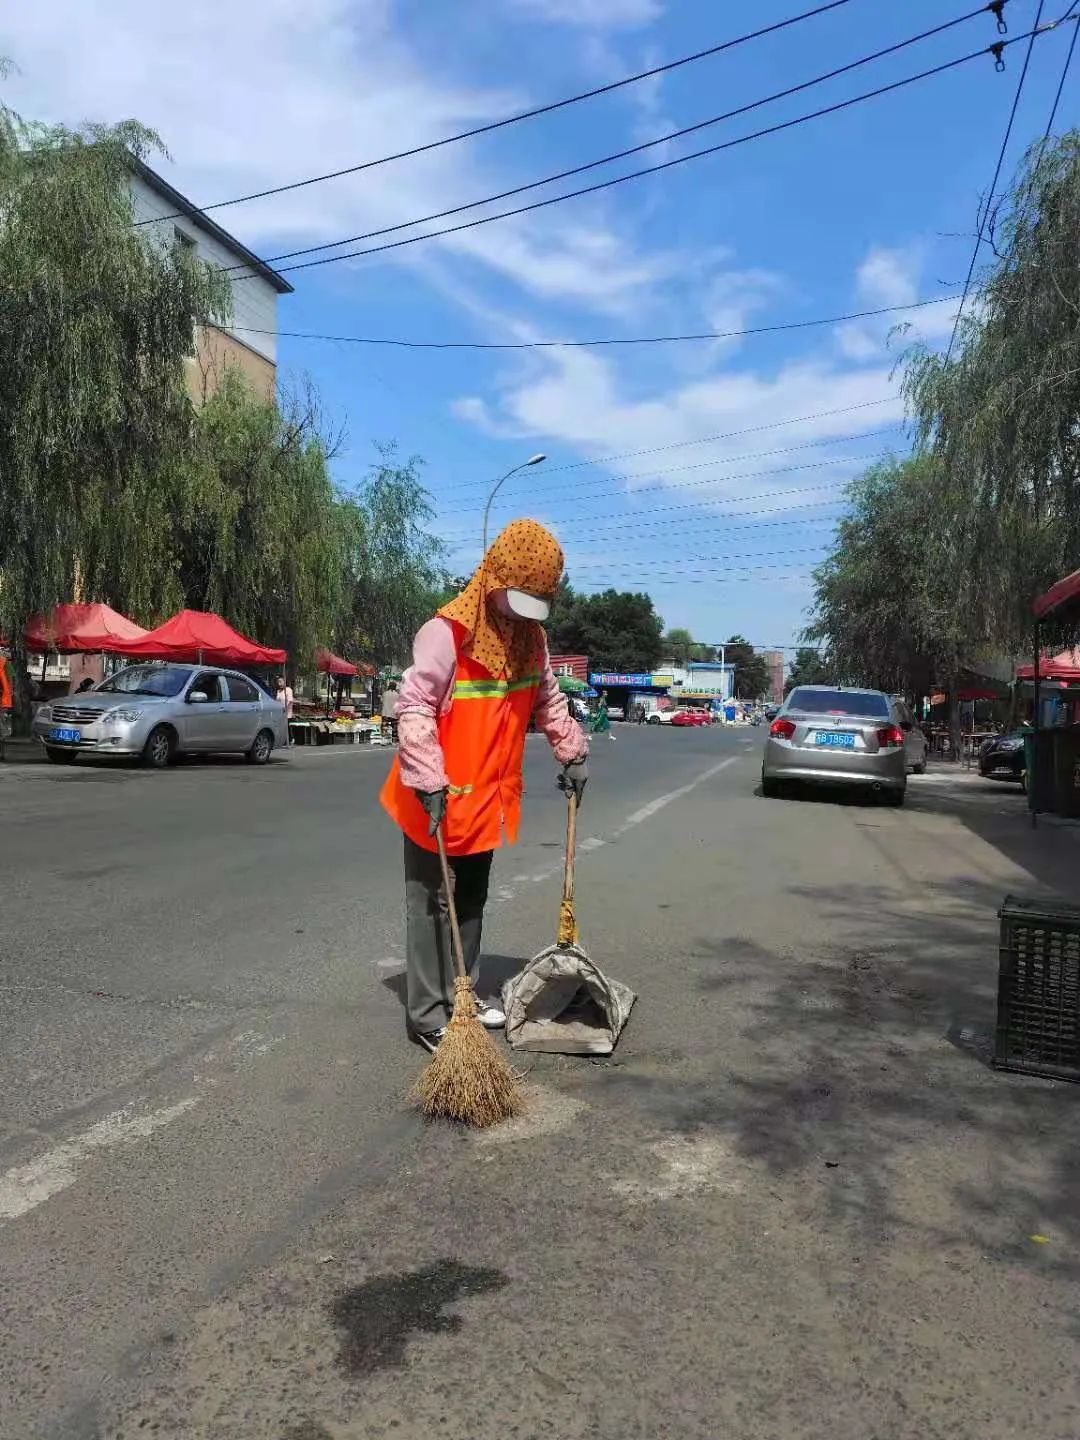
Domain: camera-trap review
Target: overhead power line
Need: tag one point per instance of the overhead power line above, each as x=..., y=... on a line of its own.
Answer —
x=797, y=120
x=591, y=344
x=521, y=115
x=988, y=208
x=643, y=582
x=693, y=559
x=634, y=149
x=607, y=480
x=1064, y=73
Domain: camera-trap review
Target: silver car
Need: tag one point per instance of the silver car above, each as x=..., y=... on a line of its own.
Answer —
x=160, y=711
x=829, y=735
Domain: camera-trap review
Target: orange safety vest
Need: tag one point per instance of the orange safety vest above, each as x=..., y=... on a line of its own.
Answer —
x=482, y=736
x=7, y=699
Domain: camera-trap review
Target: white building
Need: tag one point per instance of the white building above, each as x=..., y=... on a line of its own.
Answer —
x=250, y=342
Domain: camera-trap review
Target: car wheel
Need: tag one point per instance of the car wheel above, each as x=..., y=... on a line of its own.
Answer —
x=894, y=798
x=771, y=789
x=59, y=757
x=655, y=720
x=919, y=769
x=158, y=750
x=261, y=748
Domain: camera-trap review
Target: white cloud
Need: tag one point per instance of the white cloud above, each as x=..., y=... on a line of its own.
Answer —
x=592, y=14
x=579, y=399
x=892, y=277
x=252, y=95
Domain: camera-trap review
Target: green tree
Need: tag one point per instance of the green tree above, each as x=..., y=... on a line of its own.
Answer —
x=809, y=667
x=751, y=669
x=1002, y=413
x=617, y=630
x=259, y=530
x=95, y=324
x=394, y=573
x=684, y=649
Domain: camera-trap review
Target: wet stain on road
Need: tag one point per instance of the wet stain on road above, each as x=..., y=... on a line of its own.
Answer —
x=377, y=1318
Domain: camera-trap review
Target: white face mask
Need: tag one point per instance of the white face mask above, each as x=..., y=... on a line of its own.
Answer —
x=520, y=605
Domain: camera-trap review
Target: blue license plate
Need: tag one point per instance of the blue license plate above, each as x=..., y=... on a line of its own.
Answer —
x=65, y=737
x=835, y=739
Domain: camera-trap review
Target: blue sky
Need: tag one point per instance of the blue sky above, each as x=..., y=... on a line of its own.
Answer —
x=873, y=206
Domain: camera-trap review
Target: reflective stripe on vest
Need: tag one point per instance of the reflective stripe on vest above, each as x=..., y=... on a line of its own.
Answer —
x=482, y=736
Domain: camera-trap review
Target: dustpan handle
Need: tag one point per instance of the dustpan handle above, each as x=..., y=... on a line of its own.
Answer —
x=571, y=845
x=456, y=946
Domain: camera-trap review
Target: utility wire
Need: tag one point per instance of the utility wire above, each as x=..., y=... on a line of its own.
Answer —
x=1064, y=72
x=692, y=559
x=664, y=165
x=484, y=485
x=985, y=216
x=592, y=344
x=633, y=149
x=521, y=115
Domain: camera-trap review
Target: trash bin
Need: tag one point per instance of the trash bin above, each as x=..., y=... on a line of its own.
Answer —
x=1038, y=1010
x=1067, y=772
x=1039, y=768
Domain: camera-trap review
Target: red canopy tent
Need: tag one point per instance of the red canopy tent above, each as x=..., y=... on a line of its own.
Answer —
x=73, y=629
x=1065, y=666
x=327, y=663
x=203, y=637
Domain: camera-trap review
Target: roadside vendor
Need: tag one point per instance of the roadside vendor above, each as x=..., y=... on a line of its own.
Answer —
x=480, y=672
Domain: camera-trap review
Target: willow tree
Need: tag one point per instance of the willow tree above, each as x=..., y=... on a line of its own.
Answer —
x=886, y=607
x=1002, y=413
x=95, y=324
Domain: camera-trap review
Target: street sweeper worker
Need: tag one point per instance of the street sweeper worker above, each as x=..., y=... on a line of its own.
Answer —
x=480, y=673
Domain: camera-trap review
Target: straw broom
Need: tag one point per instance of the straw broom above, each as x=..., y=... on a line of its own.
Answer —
x=468, y=1079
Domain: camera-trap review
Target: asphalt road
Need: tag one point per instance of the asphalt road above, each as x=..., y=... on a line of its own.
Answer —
x=797, y=1203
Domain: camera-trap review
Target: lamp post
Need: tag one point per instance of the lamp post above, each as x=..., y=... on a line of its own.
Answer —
x=533, y=460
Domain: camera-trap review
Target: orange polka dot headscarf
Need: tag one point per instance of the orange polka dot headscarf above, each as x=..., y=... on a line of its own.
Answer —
x=526, y=557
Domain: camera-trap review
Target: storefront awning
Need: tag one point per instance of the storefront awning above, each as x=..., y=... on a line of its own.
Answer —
x=1061, y=601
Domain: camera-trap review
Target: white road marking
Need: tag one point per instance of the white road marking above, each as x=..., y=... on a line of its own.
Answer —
x=26, y=1186
x=648, y=811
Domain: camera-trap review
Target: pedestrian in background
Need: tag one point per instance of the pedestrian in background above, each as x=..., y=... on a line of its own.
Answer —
x=285, y=698
x=388, y=712
x=480, y=672
x=601, y=723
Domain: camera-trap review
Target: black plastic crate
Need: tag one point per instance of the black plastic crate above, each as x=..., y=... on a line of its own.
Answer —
x=1038, y=1013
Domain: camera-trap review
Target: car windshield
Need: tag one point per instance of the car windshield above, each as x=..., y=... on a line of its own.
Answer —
x=147, y=680
x=839, y=702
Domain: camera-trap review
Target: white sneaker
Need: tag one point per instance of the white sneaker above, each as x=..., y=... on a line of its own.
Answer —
x=489, y=1015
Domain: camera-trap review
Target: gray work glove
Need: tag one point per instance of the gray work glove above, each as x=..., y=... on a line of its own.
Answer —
x=434, y=802
x=574, y=778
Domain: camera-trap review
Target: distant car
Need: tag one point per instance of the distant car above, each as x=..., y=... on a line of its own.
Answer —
x=1002, y=758
x=915, y=746
x=691, y=717
x=161, y=711
x=660, y=717
x=827, y=735
x=616, y=712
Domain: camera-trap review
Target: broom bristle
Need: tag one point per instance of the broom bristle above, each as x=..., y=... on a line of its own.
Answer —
x=468, y=1080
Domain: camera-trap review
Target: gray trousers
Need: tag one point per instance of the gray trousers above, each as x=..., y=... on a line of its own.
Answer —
x=429, y=961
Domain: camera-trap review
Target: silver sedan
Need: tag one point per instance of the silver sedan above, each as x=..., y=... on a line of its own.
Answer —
x=160, y=711
x=833, y=736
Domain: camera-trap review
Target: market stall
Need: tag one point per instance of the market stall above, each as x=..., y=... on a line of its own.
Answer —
x=90, y=630
x=204, y=638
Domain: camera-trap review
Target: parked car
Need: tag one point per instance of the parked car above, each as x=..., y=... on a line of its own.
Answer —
x=660, y=717
x=915, y=746
x=1002, y=758
x=691, y=717
x=161, y=711
x=616, y=712
x=771, y=712
x=828, y=735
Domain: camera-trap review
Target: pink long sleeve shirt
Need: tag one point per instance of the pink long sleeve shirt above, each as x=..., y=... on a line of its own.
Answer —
x=427, y=691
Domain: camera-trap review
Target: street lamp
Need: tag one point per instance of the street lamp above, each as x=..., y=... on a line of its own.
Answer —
x=533, y=460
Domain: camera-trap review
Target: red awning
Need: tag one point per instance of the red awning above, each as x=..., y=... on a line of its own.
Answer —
x=1061, y=600
x=203, y=637
x=1065, y=666
x=80, y=628
x=327, y=663
x=974, y=693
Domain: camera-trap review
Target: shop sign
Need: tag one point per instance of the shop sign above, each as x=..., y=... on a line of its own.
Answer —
x=616, y=679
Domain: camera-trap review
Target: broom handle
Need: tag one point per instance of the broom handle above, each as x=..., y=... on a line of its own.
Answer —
x=571, y=845
x=455, y=934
